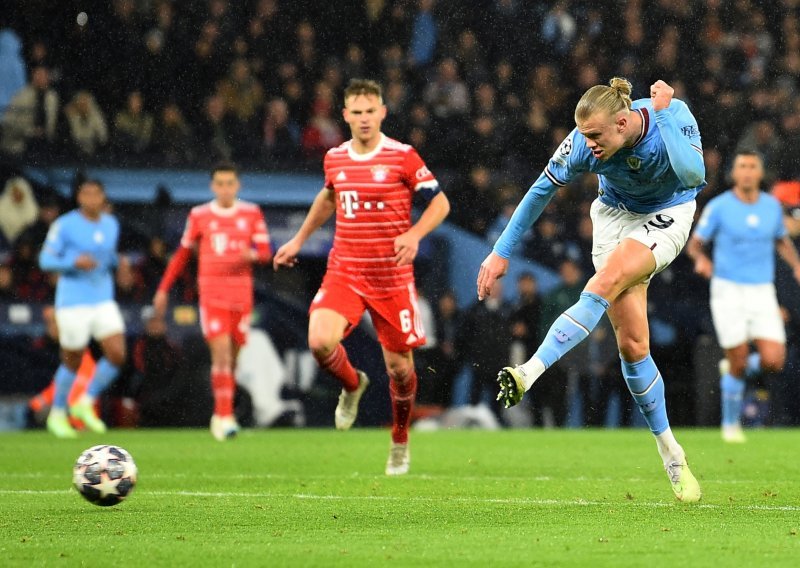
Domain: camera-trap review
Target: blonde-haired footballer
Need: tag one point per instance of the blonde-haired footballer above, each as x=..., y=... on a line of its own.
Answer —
x=649, y=162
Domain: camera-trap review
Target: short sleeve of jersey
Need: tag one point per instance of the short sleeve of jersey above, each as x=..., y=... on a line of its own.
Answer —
x=416, y=174
x=571, y=158
x=687, y=123
x=328, y=181
x=709, y=221
x=260, y=230
x=54, y=242
x=191, y=234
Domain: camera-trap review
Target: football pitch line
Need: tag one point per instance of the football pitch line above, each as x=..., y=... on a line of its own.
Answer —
x=420, y=476
x=424, y=499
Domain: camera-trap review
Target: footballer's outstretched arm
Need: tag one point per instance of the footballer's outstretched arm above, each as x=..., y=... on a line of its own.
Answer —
x=323, y=207
x=407, y=244
x=529, y=209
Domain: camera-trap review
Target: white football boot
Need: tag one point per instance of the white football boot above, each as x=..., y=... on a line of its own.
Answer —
x=399, y=460
x=224, y=427
x=347, y=409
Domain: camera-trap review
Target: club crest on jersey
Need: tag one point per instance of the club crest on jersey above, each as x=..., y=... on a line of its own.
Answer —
x=379, y=173
x=633, y=162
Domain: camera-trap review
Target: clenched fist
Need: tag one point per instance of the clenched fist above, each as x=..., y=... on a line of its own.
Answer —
x=661, y=95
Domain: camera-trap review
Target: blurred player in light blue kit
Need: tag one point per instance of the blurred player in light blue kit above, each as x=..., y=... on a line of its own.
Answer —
x=648, y=158
x=82, y=247
x=746, y=227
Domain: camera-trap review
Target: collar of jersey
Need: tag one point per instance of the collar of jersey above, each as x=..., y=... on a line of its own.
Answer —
x=369, y=155
x=224, y=211
x=645, y=125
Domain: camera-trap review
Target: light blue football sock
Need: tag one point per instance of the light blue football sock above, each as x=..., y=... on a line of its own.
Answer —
x=571, y=327
x=104, y=375
x=753, y=364
x=63, y=382
x=732, y=392
x=647, y=387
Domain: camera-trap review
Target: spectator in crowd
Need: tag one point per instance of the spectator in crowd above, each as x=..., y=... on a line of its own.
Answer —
x=475, y=201
x=483, y=340
x=281, y=142
x=525, y=317
x=443, y=359
x=549, y=245
x=49, y=210
x=129, y=286
x=173, y=139
x=88, y=131
x=243, y=96
x=31, y=284
x=31, y=118
x=18, y=208
x=447, y=94
x=133, y=128
x=12, y=67
x=8, y=292
x=760, y=136
x=322, y=132
x=217, y=132
x=422, y=46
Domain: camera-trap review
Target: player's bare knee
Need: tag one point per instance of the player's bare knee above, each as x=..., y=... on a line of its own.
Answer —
x=634, y=349
x=773, y=364
x=321, y=345
x=608, y=283
x=399, y=372
x=72, y=359
x=738, y=365
x=116, y=357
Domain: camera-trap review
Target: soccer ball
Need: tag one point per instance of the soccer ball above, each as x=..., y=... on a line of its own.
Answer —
x=104, y=475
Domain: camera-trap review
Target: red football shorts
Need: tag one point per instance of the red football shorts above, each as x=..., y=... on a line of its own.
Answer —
x=217, y=320
x=396, y=318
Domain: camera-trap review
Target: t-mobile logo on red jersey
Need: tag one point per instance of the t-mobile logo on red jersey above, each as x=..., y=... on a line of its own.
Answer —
x=349, y=201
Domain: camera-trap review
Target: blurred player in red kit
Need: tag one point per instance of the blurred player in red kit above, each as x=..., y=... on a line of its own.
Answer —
x=230, y=235
x=370, y=181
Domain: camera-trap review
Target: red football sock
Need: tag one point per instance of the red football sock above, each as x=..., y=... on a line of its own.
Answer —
x=403, y=396
x=223, y=386
x=338, y=365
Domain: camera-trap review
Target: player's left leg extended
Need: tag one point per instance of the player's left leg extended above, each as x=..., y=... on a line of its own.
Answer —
x=628, y=315
x=403, y=392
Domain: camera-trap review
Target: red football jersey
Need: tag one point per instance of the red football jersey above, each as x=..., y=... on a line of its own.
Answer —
x=373, y=206
x=224, y=277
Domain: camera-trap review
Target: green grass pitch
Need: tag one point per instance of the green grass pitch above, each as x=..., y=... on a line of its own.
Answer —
x=473, y=498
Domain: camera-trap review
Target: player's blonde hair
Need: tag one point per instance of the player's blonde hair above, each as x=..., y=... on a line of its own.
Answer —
x=610, y=99
x=358, y=87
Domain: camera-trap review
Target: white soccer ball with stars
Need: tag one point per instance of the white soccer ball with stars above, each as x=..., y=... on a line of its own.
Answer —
x=104, y=475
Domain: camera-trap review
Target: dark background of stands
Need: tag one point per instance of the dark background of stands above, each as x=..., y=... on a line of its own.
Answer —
x=484, y=90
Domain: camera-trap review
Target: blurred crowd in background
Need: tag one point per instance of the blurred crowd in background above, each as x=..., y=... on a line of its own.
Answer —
x=485, y=91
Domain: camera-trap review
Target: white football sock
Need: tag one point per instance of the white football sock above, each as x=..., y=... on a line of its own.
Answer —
x=668, y=447
x=531, y=371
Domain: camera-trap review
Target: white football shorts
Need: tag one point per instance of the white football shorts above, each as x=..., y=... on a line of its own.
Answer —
x=78, y=324
x=664, y=232
x=744, y=312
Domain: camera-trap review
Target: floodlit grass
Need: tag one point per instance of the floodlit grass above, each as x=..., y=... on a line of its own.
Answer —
x=319, y=498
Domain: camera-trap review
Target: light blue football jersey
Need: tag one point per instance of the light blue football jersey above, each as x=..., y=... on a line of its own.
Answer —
x=744, y=236
x=662, y=169
x=70, y=236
